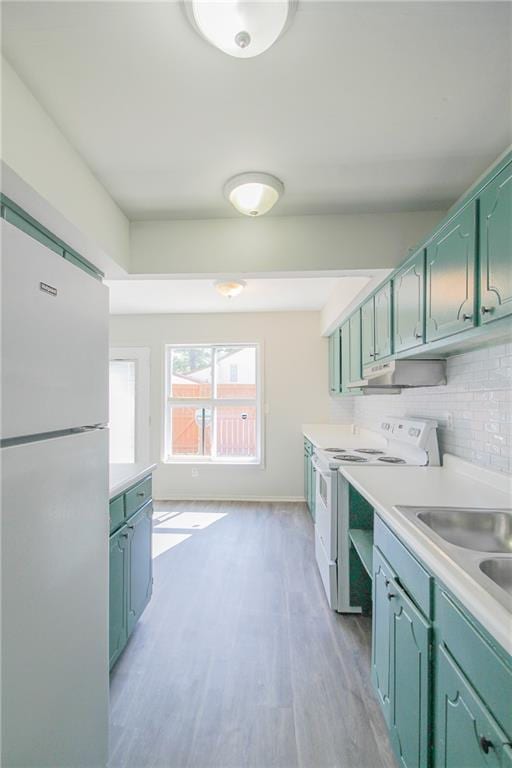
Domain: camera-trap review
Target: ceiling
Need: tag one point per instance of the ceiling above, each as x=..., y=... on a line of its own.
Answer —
x=361, y=106
x=198, y=296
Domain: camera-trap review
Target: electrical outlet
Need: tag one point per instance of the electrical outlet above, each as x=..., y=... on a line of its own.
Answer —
x=449, y=422
x=195, y=472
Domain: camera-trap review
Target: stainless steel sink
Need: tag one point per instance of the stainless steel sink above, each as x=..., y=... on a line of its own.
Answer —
x=477, y=529
x=470, y=537
x=499, y=570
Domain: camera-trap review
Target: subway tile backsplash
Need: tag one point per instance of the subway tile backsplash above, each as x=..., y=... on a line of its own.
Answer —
x=474, y=409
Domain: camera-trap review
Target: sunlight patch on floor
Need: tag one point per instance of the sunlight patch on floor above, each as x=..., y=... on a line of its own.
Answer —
x=162, y=542
x=187, y=521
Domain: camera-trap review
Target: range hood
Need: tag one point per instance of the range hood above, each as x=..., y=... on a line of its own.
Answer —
x=391, y=377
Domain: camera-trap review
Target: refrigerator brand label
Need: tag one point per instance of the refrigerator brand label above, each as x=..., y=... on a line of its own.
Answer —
x=48, y=289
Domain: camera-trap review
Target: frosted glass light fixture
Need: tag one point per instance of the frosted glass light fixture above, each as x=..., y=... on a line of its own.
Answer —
x=230, y=288
x=253, y=193
x=241, y=28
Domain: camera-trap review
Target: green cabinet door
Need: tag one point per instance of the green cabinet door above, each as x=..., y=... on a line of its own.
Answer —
x=450, y=277
x=495, y=219
x=383, y=332
x=381, y=633
x=367, y=333
x=410, y=680
x=465, y=734
x=334, y=363
x=140, y=575
x=345, y=357
x=118, y=629
x=409, y=303
x=355, y=372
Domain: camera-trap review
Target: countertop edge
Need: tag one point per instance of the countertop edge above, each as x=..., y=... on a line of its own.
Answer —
x=485, y=608
x=138, y=472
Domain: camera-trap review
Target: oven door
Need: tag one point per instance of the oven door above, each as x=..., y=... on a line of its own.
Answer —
x=325, y=518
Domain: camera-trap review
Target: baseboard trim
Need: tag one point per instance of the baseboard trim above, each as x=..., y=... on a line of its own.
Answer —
x=262, y=499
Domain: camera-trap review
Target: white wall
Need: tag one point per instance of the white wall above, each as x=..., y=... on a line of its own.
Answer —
x=295, y=391
x=35, y=149
x=277, y=243
x=477, y=401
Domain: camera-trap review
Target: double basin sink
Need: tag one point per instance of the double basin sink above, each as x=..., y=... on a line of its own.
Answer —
x=479, y=540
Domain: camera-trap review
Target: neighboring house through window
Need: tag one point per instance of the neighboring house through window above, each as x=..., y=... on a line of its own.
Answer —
x=213, y=408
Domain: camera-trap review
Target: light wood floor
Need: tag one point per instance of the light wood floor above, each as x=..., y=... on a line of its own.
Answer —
x=238, y=662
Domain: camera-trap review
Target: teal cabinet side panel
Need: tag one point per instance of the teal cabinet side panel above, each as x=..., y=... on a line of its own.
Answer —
x=312, y=488
x=306, y=476
x=495, y=218
x=118, y=633
x=345, y=357
x=409, y=304
x=355, y=372
x=367, y=333
x=381, y=633
x=140, y=580
x=410, y=671
x=465, y=734
x=450, y=277
x=383, y=334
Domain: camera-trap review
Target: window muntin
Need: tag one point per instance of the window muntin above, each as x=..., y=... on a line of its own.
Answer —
x=213, y=409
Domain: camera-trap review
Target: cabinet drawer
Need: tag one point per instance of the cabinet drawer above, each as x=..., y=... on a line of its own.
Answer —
x=412, y=577
x=136, y=497
x=116, y=509
x=484, y=668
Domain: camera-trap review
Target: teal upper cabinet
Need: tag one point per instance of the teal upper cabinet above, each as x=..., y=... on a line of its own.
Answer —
x=355, y=373
x=495, y=219
x=334, y=363
x=367, y=333
x=465, y=733
x=383, y=338
x=450, y=276
x=409, y=303
x=345, y=357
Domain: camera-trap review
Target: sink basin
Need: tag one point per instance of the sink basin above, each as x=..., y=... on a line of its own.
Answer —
x=476, y=529
x=499, y=570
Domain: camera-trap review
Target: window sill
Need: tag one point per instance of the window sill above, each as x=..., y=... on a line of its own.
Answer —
x=198, y=460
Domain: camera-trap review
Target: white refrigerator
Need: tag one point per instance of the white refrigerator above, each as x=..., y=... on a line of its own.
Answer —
x=54, y=513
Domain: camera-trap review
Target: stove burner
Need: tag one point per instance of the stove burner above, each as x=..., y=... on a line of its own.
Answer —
x=391, y=460
x=351, y=457
x=334, y=450
x=370, y=451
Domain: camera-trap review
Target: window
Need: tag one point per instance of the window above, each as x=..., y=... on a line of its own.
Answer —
x=213, y=410
x=129, y=405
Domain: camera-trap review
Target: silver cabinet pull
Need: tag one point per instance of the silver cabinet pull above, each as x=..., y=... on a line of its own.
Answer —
x=467, y=317
x=485, y=310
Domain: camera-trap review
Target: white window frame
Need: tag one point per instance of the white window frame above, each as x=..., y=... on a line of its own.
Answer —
x=211, y=403
x=141, y=357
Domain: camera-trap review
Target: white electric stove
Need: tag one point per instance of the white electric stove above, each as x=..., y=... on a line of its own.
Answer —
x=396, y=442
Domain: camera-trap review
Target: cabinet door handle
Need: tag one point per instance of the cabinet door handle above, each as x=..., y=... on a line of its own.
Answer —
x=418, y=335
x=486, y=745
x=467, y=317
x=123, y=536
x=140, y=493
x=486, y=310
x=391, y=595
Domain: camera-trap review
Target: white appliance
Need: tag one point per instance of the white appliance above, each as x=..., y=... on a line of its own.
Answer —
x=397, y=442
x=54, y=454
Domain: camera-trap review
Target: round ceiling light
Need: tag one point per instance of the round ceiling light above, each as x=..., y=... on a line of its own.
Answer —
x=230, y=288
x=242, y=28
x=253, y=194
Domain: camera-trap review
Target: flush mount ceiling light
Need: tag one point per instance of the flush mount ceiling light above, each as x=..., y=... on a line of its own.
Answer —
x=230, y=288
x=253, y=193
x=242, y=28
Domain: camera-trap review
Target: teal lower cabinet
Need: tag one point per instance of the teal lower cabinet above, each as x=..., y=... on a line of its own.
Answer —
x=401, y=666
x=444, y=684
x=466, y=736
x=131, y=570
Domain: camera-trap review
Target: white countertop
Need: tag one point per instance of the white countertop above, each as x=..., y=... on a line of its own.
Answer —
x=122, y=476
x=341, y=436
x=457, y=483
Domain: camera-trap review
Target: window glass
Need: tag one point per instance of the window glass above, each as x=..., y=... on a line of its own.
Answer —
x=191, y=372
x=235, y=431
x=235, y=373
x=122, y=411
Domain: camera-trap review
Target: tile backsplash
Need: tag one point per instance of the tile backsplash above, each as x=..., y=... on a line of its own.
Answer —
x=474, y=409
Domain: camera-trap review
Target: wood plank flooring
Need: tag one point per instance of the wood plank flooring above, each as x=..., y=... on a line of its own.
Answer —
x=237, y=661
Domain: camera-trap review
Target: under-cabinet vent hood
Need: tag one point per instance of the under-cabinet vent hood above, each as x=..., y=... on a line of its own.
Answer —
x=393, y=376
